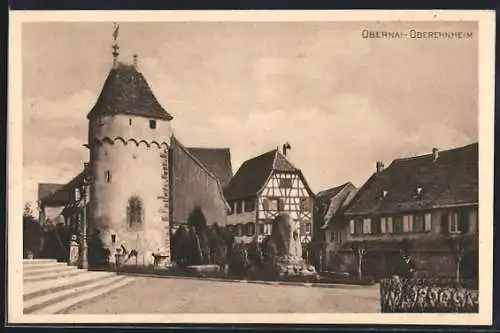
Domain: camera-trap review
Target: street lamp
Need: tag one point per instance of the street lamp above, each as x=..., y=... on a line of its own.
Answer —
x=83, y=239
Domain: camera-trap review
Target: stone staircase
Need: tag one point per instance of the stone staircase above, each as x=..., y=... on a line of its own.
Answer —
x=51, y=287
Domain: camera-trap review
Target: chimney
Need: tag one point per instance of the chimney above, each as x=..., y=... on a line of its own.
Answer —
x=380, y=166
x=435, y=153
x=135, y=60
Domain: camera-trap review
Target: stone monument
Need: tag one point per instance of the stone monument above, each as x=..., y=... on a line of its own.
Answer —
x=283, y=252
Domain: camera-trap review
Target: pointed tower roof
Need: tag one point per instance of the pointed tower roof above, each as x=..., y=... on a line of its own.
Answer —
x=126, y=91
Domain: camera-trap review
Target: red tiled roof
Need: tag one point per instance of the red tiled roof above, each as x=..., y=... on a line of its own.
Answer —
x=450, y=180
x=126, y=91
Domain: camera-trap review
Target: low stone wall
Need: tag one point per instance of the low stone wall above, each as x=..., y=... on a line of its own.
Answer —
x=427, y=296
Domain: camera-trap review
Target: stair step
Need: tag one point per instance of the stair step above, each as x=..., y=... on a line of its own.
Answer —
x=53, y=275
x=44, y=301
x=30, y=262
x=36, y=289
x=45, y=270
x=81, y=295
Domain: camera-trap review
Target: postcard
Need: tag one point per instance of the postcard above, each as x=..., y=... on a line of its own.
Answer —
x=251, y=167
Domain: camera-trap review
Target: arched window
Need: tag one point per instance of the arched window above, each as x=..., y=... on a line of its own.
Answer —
x=135, y=212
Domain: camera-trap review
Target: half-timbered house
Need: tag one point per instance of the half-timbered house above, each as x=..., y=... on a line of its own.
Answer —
x=264, y=187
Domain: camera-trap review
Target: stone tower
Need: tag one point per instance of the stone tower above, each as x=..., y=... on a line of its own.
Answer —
x=128, y=139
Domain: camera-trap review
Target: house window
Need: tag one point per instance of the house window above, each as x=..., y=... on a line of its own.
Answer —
x=77, y=194
x=281, y=205
x=135, y=212
x=308, y=227
x=397, y=224
x=130, y=121
x=249, y=205
x=459, y=222
x=285, y=183
x=267, y=228
x=239, y=230
x=358, y=227
x=418, y=222
x=305, y=204
x=250, y=229
x=152, y=124
x=273, y=204
x=107, y=176
x=261, y=228
x=376, y=226
x=336, y=236
x=238, y=207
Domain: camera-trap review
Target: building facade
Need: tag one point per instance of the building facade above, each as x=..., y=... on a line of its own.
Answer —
x=144, y=182
x=264, y=187
x=421, y=201
x=330, y=221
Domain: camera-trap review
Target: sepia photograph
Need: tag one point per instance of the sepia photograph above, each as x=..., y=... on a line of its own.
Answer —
x=294, y=167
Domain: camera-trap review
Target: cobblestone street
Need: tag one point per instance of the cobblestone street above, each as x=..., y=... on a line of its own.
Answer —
x=164, y=295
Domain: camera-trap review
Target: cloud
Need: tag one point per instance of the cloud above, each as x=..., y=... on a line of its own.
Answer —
x=53, y=134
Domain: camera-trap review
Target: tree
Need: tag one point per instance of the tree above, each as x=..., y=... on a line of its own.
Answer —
x=459, y=245
x=32, y=233
x=360, y=249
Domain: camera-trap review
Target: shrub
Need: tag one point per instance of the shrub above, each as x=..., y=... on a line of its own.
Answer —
x=426, y=296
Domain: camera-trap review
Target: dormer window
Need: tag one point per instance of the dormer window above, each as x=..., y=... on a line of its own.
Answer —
x=152, y=124
x=383, y=194
x=419, y=190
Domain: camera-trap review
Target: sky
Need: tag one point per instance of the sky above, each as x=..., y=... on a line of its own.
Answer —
x=342, y=101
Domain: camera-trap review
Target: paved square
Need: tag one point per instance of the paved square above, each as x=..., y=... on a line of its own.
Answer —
x=164, y=295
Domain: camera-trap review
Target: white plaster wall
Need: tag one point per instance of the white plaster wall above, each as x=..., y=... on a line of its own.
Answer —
x=114, y=126
x=136, y=170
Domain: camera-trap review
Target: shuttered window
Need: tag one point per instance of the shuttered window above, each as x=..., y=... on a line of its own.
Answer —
x=376, y=227
x=351, y=227
x=383, y=225
x=418, y=222
x=428, y=222
x=367, y=226
x=406, y=223
x=389, y=225
x=397, y=224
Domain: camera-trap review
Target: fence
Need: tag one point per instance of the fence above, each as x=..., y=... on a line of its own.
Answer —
x=428, y=296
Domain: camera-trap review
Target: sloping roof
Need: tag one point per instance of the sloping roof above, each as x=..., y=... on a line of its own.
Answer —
x=46, y=189
x=126, y=91
x=217, y=160
x=177, y=143
x=452, y=179
x=254, y=173
x=62, y=196
x=332, y=202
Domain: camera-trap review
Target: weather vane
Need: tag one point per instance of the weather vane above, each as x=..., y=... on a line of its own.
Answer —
x=115, y=46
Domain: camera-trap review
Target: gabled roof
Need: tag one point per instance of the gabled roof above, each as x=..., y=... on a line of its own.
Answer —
x=253, y=174
x=62, y=195
x=217, y=160
x=126, y=91
x=46, y=189
x=177, y=143
x=332, y=202
x=450, y=180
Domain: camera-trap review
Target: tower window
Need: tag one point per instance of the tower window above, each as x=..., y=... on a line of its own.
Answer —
x=135, y=212
x=107, y=176
x=152, y=124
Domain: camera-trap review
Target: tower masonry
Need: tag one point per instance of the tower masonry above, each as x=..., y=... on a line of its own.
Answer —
x=129, y=137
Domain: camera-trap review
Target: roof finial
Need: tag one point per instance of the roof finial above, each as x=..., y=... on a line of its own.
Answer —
x=115, y=46
x=135, y=60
